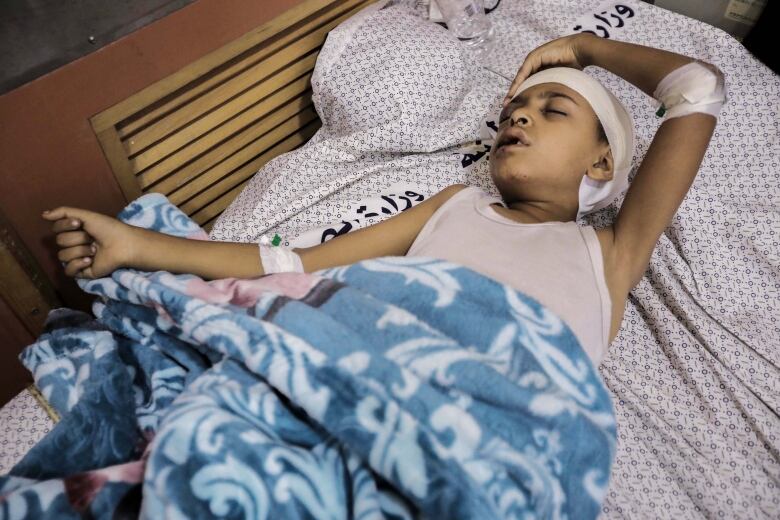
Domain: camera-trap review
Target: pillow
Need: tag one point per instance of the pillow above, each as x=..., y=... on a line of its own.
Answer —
x=398, y=95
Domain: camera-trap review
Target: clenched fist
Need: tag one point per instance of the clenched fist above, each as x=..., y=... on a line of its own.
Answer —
x=92, y=245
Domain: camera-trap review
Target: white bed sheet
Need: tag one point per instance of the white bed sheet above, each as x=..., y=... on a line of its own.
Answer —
x=23, y=422
x=695, y=370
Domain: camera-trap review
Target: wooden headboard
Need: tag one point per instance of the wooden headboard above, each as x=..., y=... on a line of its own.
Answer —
x=199, y=135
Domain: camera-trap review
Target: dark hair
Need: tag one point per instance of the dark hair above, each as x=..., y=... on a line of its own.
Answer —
x=601, y=132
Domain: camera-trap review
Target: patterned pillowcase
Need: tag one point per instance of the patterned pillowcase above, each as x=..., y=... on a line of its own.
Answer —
x=423, y=78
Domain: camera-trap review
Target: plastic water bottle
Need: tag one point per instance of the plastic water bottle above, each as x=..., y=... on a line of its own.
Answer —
x=467, y=21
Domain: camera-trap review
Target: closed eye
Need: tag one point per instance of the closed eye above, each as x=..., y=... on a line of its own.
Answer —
x=501, y=120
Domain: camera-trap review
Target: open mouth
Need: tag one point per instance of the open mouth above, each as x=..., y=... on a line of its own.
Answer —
x=504, y=143
x=512, y=137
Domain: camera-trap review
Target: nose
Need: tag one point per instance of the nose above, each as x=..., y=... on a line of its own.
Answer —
x=518, y=115
x=521, y=118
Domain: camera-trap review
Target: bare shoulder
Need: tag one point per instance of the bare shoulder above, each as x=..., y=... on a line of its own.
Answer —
x=425, y=210
x=451, y=190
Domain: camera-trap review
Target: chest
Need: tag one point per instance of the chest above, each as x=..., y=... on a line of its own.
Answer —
x=551, y=263
x=548, y=262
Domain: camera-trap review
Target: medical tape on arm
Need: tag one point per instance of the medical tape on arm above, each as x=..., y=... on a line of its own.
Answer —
x=278, y=259
x=691, y=88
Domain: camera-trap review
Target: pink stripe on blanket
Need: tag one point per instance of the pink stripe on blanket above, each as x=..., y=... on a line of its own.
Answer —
x=244, y=292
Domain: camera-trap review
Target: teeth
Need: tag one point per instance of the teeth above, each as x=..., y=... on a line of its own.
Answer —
x=510, y=141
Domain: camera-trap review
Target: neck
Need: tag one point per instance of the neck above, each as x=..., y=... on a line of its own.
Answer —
x=541, y=211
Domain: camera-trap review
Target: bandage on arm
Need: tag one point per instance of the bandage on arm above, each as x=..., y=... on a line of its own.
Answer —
x=278, y=259
x=694, y=87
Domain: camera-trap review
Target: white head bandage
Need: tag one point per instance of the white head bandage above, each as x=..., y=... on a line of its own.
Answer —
x=618, y=125
x=278, y=259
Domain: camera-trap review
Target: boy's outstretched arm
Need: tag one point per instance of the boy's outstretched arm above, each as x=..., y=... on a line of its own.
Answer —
x=93, y=245
x=671, y=163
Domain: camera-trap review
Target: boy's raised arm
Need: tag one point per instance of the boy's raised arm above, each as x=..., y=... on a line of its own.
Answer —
x=659, y=187
x=671, y=163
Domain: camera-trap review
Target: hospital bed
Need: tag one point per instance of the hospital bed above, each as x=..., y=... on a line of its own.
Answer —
x=309, y=153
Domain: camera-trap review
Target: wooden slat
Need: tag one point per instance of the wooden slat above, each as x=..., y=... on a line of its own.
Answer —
x=242, y=91
x=216, y=207
x=270, y=46
x=208, y=225
x=223, y=183
x=218, y=105
x=44, y=403
x=259, y=145
x=191, y=172
x=162, y=88
x=123, y=171
x=199, y=135
x=188, y=158
x=301, y=70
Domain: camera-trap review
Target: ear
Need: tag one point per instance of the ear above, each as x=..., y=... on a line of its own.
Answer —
x=603, y=168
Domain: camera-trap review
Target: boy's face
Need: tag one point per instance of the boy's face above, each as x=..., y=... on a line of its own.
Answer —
x=561, y=129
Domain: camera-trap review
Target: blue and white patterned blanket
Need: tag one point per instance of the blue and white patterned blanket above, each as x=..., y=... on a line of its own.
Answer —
x=397, y=387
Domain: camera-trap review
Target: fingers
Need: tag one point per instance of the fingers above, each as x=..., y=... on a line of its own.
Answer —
x=65, y=224
x=74, y=267
x=72, y=253
x=73, y=238
x=525, y=70
x=87, y=273
x=520, y=77
x=64, y=212
x=77, y=248
x=65, y=219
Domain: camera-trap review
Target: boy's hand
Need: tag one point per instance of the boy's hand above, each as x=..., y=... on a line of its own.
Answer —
x=92, y=245
x=567, y=51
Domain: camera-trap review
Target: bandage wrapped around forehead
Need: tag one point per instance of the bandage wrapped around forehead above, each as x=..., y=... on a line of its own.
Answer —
x=618, y=125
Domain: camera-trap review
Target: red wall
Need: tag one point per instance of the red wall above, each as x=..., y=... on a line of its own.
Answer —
x=49, y=155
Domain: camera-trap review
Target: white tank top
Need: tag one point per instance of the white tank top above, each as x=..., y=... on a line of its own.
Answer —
x=558, y=263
